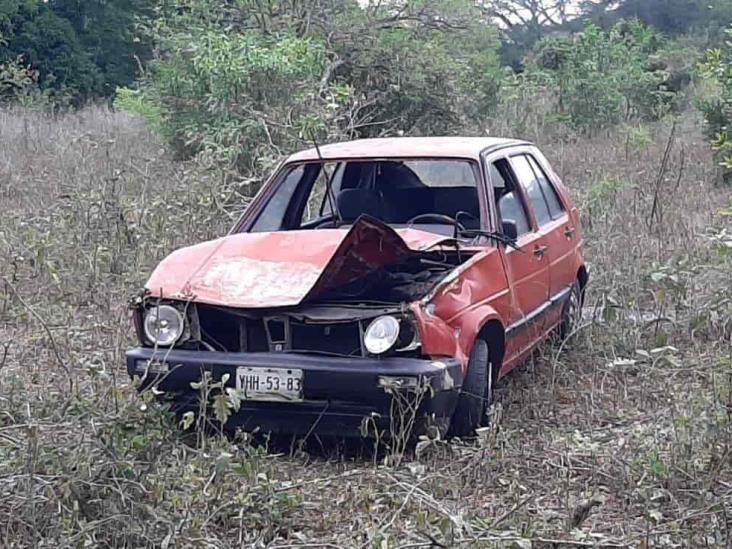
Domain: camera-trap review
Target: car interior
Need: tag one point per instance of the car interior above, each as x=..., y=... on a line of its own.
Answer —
x=433, y=195
x=393, y=192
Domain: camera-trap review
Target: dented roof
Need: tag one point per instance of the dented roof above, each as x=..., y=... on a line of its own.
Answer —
x=406, y=147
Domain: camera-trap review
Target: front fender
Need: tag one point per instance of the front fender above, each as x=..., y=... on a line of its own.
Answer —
x=457, y=339
x=472, y=324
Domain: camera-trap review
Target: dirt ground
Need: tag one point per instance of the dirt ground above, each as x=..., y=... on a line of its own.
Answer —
x=620, y=439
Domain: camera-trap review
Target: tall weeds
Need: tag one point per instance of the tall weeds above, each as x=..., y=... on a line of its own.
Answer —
x=632, y=419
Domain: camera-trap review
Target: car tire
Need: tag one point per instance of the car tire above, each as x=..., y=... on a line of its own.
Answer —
x=475, y=393
x=571, y=311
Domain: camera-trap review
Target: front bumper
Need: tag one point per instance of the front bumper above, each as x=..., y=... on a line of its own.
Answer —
x=338, y=392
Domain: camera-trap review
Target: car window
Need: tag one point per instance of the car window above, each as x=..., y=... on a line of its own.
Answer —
x=512, y=209
x=429, y=194
x=550, y=194
x=442, y=173
x=530, y=182
x=318, y=201
x=272, y=216
x=508, y=201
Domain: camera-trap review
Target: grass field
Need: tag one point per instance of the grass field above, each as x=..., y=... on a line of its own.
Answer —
x=623, y=438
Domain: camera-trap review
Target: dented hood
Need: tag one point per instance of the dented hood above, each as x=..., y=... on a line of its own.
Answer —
x=281, y=269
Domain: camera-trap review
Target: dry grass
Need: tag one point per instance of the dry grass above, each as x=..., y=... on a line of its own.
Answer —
x=631, y=422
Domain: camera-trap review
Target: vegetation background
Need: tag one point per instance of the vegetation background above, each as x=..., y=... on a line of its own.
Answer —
x=131, y=127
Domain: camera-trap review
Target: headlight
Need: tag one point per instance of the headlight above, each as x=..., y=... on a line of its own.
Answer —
x=381, y=335
x=163, y=325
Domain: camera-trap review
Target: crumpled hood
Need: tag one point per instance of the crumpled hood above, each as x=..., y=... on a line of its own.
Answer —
x=280, y=269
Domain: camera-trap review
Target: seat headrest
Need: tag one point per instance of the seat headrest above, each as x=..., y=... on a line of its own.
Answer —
x=353, y=203
x=451, y=200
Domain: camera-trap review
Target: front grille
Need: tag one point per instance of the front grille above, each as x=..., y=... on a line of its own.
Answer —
x=342, y=339
x=222, y=330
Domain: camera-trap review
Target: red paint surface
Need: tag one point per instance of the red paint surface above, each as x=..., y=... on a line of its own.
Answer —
x=403, y=147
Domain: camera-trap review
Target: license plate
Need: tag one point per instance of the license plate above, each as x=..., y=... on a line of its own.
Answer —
x=278, y=384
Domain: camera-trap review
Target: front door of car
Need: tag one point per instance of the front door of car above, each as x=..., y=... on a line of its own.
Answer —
x=527, y=265
x=554, y=224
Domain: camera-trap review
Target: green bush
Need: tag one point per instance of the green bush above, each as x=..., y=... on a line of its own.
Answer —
x=716, y=104
x=246, y=82
x=601, y=78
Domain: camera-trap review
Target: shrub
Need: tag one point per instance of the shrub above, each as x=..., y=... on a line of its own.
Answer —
x=245, y=82
x=716, y=104
x=601, y=78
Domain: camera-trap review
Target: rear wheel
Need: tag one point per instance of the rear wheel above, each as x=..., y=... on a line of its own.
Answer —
x=475, y=394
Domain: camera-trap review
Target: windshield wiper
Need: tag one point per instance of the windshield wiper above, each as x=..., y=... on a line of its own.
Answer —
x=498, y=237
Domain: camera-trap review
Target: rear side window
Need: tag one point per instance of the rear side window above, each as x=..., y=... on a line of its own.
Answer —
x=528, y=179
x=550, y=194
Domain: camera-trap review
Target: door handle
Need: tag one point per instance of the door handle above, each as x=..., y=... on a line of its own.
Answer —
x=539, y=251
x=569, y=232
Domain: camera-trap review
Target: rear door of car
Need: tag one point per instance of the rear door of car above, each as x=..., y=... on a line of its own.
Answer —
x=553, y=224
x=527, y=266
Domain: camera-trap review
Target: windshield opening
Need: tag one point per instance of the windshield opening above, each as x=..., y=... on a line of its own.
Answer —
x=428, y=194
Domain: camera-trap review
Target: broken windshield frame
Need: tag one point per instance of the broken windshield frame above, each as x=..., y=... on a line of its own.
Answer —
x=394, y=190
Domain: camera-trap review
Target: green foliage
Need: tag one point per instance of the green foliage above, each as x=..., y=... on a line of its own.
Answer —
x=246, y=81
x=19, y=84
x=238, y=95
x=671, y=17
x=34, y=34
x=419, y=68
x=716, y=105
x=106, y=29
x=638, y=138
x=136, y=102
x=600, y=78
x=76, y=49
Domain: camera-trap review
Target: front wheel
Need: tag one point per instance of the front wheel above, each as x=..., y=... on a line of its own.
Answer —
x=571, y=312
x=475, y=394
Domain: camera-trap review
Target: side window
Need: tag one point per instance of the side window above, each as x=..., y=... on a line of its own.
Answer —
x=318, y=204
x=508, y=200
x=550, y=194
x=274, y=212
x=317, y=199
x=530, y=182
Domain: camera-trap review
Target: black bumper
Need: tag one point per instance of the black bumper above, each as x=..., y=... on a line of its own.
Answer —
x=338, y=392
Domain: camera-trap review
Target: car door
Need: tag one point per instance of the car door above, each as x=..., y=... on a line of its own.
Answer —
x=527, y=267
x=553, y=223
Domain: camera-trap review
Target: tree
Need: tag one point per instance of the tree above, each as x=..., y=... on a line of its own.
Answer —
x=672, y=17
x=106, y=30
x=525, y=22
x=531, y=14
x=77, y=49
x=34, y=35
x=247, y=80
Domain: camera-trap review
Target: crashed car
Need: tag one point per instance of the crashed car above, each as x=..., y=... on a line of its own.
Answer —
x=362, y=272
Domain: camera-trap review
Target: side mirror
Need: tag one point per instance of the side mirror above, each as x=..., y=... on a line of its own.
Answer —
x=509, y=229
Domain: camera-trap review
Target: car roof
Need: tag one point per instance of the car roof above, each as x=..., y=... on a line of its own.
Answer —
x=406, y=147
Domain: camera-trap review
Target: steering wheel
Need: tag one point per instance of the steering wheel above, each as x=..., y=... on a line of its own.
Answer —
x=464, y=214
x=437, y=217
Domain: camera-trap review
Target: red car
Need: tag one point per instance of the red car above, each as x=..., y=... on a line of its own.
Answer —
x=366, y=270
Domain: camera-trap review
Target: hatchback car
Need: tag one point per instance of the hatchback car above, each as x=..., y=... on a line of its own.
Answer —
x=363, y=271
